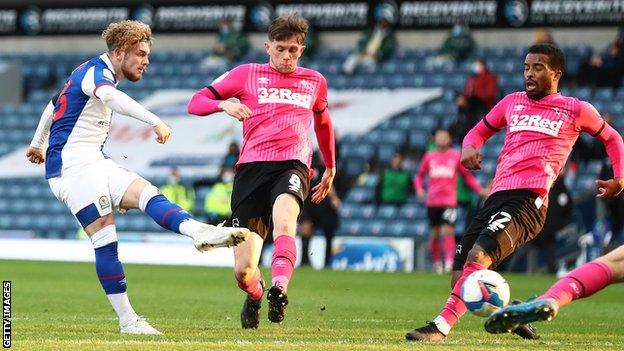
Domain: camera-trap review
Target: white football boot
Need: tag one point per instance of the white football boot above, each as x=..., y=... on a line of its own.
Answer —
x=138, y=325
x=210, y=237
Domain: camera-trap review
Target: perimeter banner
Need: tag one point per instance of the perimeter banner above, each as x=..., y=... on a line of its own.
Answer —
x=63, y=17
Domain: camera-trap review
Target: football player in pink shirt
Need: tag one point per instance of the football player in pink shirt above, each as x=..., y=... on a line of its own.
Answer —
x=278, y=104
x=542, y=125
x=442, y=166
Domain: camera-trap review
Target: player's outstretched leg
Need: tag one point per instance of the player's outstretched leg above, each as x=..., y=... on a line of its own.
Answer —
x=111, y=275
x=172, y=217
x=581, y=282
x=512, y=316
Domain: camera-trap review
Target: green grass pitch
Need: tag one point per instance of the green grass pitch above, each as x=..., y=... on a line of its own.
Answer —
x=61, y=306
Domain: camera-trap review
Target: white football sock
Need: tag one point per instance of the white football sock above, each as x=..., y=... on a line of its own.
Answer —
x=190, y=226
x=122, y=307
x=442, y=325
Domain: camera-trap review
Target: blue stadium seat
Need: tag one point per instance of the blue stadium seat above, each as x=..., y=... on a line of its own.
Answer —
x=349, y=227
x=412, y=211
x=362, y=151
x=418, y=228
x=387, y=212
x=360, y=194
x=418, y=139
x=385, y=153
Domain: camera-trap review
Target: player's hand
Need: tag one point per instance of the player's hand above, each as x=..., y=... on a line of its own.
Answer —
x=163, y=132
x=609, y=188
x=35, y=155
x=322, y=189
x=235, y=109
x=421, y=195
x=471, y=158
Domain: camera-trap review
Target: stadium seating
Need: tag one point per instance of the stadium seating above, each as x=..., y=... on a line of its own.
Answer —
x=29, y=205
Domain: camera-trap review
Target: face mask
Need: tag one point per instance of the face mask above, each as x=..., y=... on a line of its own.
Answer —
x=173, y=180
x=457, y=30
x=477, y=67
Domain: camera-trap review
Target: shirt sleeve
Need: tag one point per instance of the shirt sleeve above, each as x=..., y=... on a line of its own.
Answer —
x=95, y=78
x=324, y=128
x=589, y=120
x=321, y=103
x=230, y=84
x=495, y=119
x=422, y=171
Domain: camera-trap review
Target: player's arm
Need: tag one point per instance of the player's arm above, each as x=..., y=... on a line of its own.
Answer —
x=324, y=131
x=480, y=133
x=98, y=83
x=35, y=152
x=591, y=122
x=214, y=98
x=420, y=176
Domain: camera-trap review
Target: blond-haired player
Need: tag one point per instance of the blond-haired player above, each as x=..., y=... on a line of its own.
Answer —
x=77, y=122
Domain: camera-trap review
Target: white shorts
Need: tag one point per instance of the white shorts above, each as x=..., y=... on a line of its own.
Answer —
x=92, y=191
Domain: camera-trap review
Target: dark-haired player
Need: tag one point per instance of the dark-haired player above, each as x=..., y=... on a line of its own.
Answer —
x=542, y=125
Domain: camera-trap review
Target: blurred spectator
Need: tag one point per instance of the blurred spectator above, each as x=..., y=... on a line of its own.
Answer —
x=323, y=216
x=217, y=202
x=232, y=44
x=604, y=70
x=456, y=47
x=376, y=45
x=479, y=96
x=230, y=159
x=543, y=36
x=394, y=183
x=175, y=191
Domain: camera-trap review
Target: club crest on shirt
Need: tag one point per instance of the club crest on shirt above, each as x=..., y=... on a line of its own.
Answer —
x=104, y=203
x=518, y=108
x=263, y=80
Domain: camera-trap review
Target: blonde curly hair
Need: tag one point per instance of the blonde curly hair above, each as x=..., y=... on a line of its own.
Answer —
x=126, y=34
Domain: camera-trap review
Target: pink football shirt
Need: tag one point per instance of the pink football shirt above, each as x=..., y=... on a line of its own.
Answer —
x=442, y=168
x=540, y=136
x=282, y=106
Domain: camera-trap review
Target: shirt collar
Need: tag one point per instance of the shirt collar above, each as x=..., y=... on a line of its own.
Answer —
x=108, y=62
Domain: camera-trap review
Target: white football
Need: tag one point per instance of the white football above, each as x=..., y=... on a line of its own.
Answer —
x=485, y=292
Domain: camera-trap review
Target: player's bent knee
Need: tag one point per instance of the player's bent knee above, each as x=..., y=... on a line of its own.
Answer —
x=477, y=254
x=244, y=275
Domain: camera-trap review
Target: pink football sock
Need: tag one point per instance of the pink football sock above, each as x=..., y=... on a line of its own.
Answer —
x=455, y=307
x=581, y=282
x=449, y=248
x=434, y=248
x=284, y=259
x=253, y=288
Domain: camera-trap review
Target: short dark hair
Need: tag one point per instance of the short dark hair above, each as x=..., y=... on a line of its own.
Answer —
x=556, y=57
x=284, y=27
